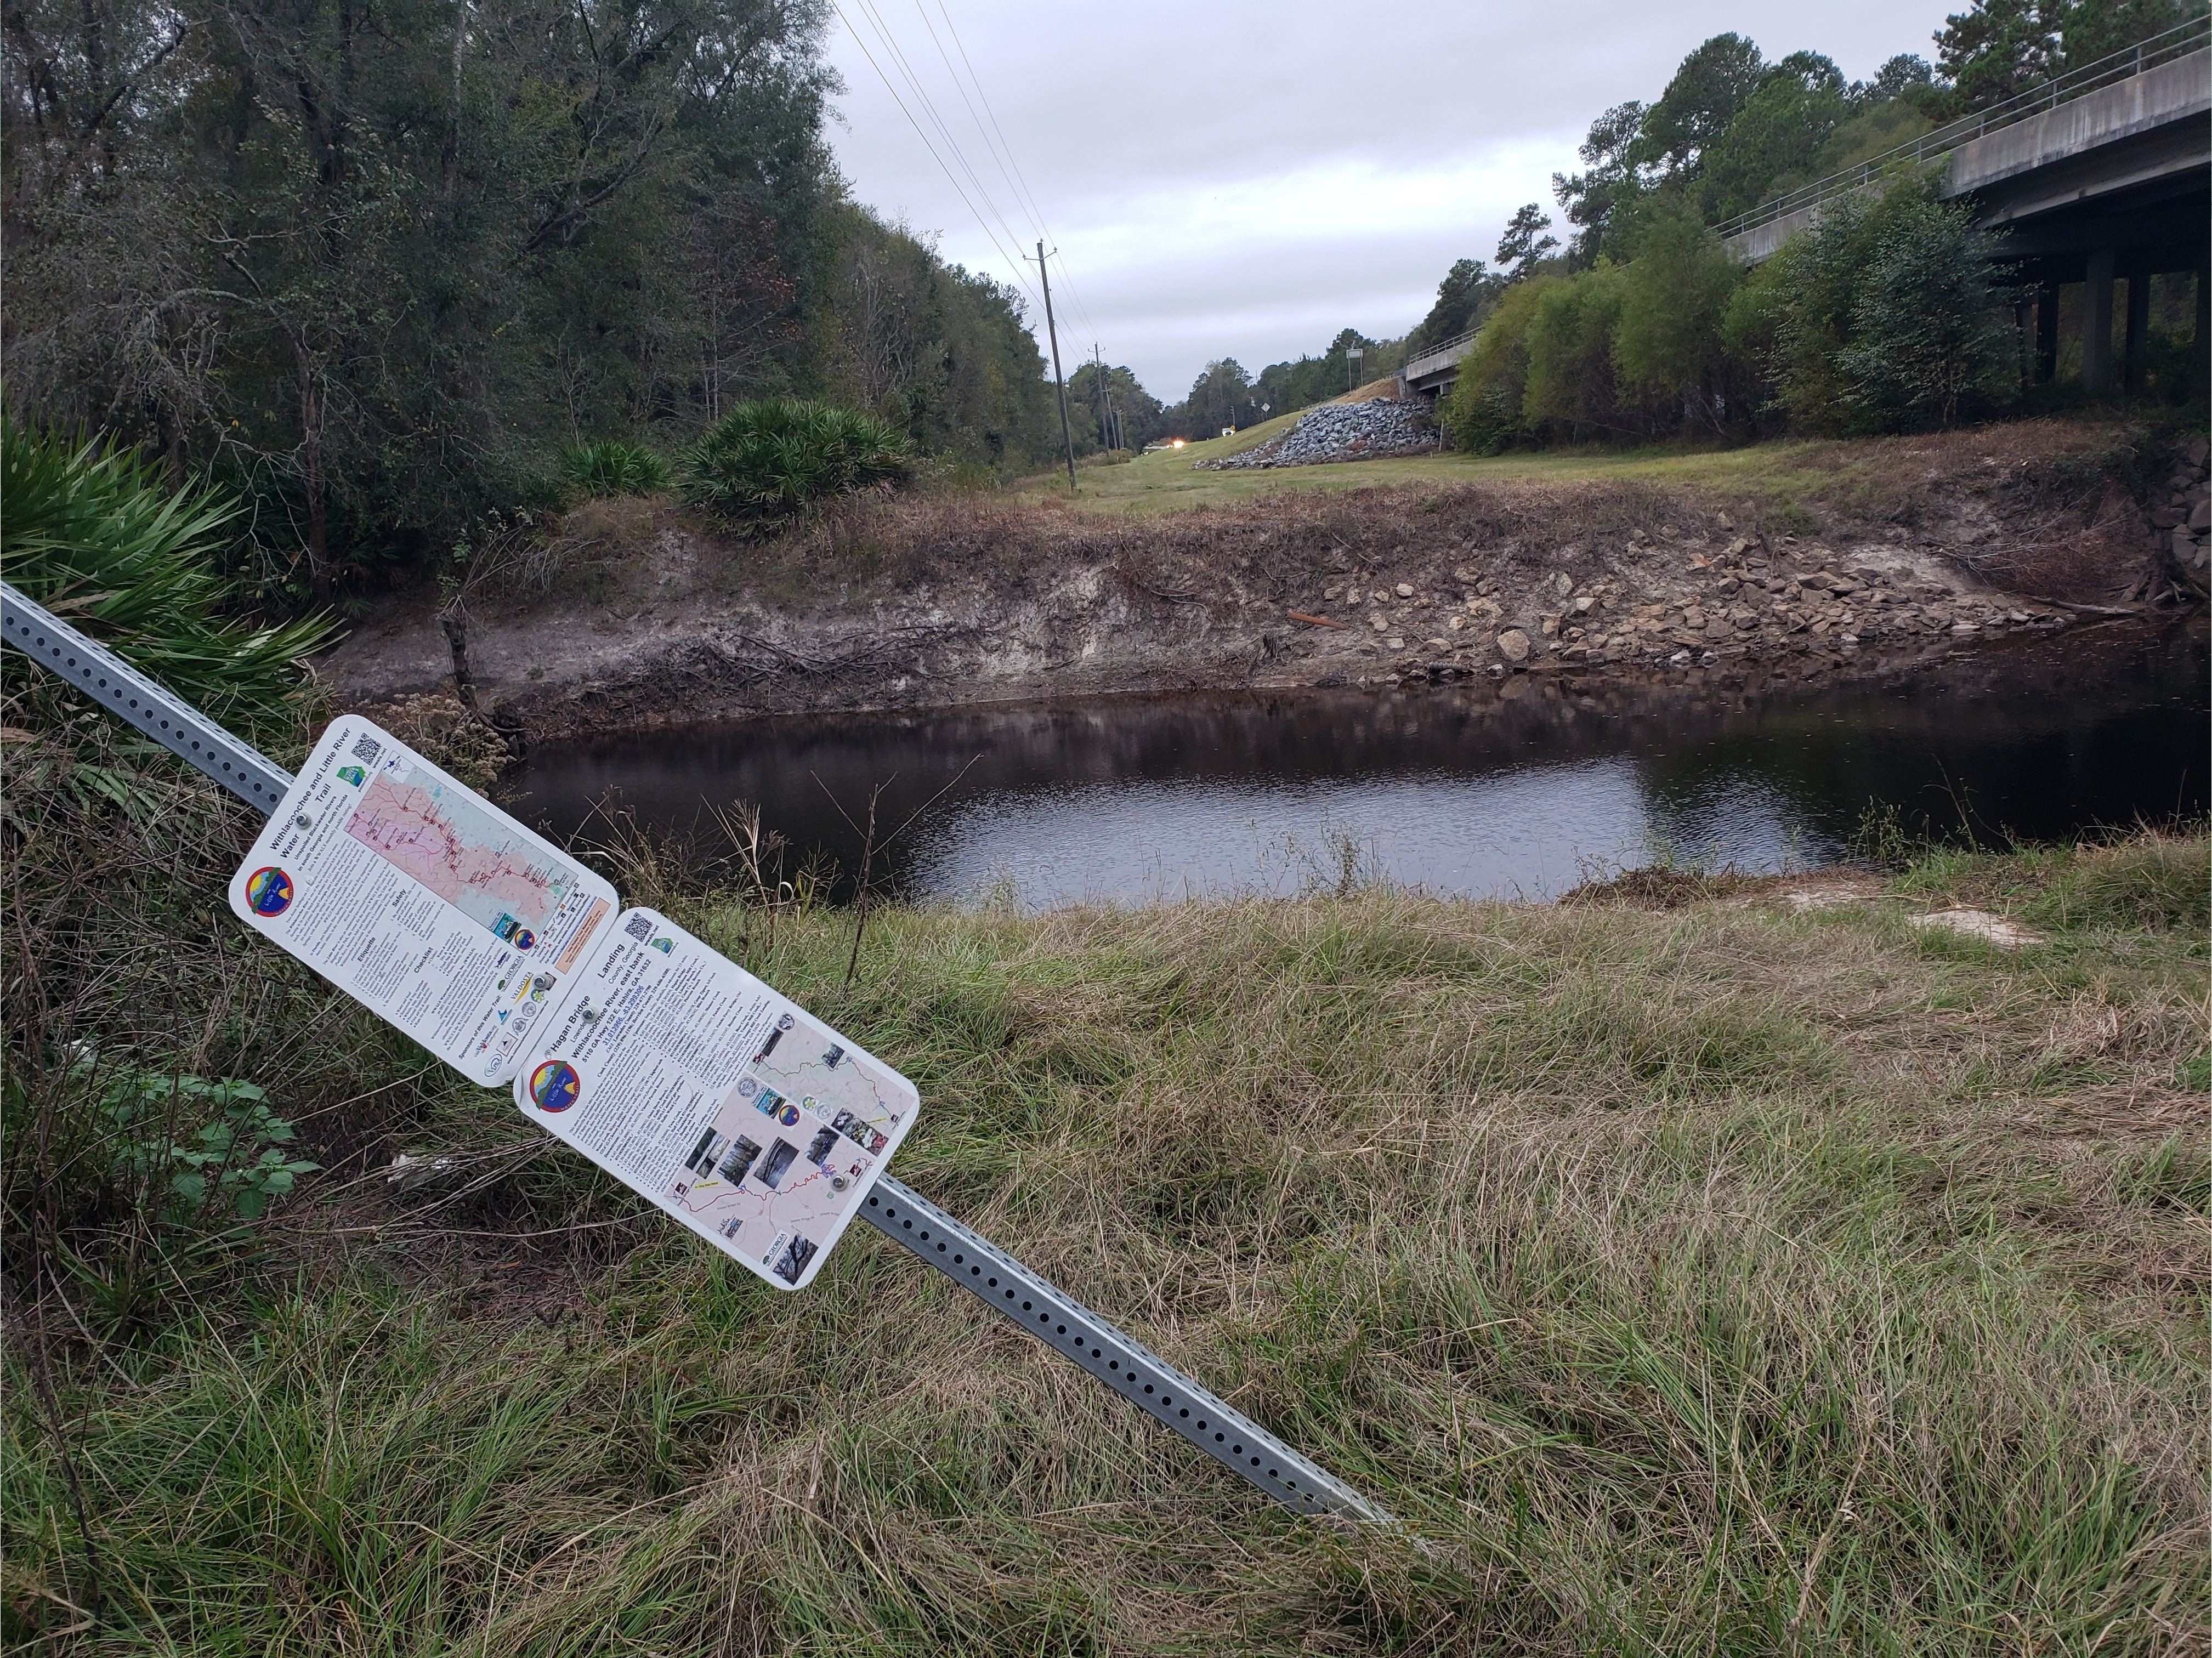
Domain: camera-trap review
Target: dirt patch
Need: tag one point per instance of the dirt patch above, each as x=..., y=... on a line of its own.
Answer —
x=1830, y=889
x=1913, y=549
x=1657, y=887
x=1660, y=888
x=1979, y=924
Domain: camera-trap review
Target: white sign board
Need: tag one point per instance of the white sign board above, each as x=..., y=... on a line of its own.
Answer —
x=663, y=1062
x=677, y=1072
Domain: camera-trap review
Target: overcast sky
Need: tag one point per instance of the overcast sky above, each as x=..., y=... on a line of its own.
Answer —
x=1243, y=177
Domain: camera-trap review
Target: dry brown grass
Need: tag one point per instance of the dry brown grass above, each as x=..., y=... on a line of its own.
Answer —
x=1717, y=1275
x=2041, y=507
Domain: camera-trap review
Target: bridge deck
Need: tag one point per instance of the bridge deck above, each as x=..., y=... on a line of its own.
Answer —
x=2146, y=129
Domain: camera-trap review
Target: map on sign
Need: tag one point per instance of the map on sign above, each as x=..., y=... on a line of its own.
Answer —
x=791, y=1145
x=421, y=899
x=483, y=862
x=806, y=1063
x=754, y=1124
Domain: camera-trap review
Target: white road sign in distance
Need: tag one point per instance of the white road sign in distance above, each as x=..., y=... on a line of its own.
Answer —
x=418, y=897
x=726, y=1103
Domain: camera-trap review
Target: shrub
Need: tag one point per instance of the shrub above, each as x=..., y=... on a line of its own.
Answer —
x=236, y=1163
x=1483, y=410
x=774, y=459
x=1571, y=377
x=1883, y=316
x=1793, y=314
x=91, y=532
x=613, y=467
x=1676, y=290
x=1927, y=343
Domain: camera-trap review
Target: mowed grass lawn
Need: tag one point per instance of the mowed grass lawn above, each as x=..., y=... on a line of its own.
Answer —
x=1847, y=473
x=1720, y=1278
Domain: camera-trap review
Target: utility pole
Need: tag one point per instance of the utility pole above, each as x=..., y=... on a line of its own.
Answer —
x=1053, y=333
x=1105, y=409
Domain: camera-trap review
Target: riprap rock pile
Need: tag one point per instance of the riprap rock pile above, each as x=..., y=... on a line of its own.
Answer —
x=2181, y=525
x=1340, y=431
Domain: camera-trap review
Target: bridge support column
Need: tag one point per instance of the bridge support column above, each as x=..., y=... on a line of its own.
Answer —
x=2203, y=304
x=2047, y=333
x=2097, y=323
x=2138, y=320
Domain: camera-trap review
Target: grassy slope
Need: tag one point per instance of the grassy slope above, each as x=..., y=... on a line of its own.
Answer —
x=1725, y=1278
x=1782, y=473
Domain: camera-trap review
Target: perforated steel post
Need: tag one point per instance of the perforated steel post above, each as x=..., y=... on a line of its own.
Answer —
x=1059, y=1321
x=176, y=725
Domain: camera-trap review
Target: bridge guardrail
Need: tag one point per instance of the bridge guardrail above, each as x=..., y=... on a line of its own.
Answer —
x=1453, y=345
x=2124, y=65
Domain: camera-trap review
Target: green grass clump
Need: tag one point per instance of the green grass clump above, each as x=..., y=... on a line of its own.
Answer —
x=1708, y=1277
x=774, y=458
x=2153, y=880
x=611, y=467
x=2160, y=882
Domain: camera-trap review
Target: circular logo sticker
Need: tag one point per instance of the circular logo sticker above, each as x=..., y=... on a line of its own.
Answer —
x=269, y=891
x=747, y=1087
x=555, y=1086
x=789, y=1117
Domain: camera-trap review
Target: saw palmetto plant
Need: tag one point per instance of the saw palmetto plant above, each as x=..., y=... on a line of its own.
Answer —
x=774, y=458
x=91, y=531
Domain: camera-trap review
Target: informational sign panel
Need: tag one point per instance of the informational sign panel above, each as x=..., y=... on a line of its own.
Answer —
x=677, y=1070
x=422, y=900
x=666, y=1064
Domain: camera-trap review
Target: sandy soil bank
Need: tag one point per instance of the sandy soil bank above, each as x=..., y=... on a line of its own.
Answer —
x=645, y=615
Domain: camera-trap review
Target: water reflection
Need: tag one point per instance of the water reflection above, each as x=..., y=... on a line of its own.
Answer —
x=1511, y=788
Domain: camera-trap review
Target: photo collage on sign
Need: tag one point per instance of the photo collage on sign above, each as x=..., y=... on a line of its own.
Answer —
x=791, y=1141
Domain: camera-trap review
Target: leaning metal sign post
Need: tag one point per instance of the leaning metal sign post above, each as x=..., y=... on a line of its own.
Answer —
x=724, y=1103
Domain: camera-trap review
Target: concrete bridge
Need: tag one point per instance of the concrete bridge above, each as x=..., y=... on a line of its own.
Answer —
x=1433, y=372
x=2102, y=176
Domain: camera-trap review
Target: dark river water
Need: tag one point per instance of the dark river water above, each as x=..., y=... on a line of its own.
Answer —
x=1523, y=787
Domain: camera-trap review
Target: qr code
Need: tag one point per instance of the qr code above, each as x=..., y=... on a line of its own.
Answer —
x=366, y=749
x=639, y=928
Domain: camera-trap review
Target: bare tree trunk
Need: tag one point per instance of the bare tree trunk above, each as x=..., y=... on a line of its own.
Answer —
x=453, y=622
x=171, y=431
x=311, y=468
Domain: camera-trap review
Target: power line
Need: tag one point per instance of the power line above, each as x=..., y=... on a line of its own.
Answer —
x=1001, y=152
x=1013, y=263
x=1035, y=223
x=897, y=55
x=1023, y=196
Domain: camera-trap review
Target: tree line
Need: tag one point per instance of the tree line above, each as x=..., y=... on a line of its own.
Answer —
x=1228, y=395
x=371, y=263
x=1891, y=313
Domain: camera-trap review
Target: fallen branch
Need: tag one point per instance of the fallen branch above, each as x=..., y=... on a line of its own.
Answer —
x=1316, y=621
x=2091, y=610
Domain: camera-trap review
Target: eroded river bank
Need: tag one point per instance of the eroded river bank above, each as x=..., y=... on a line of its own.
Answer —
x=1829, y=563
